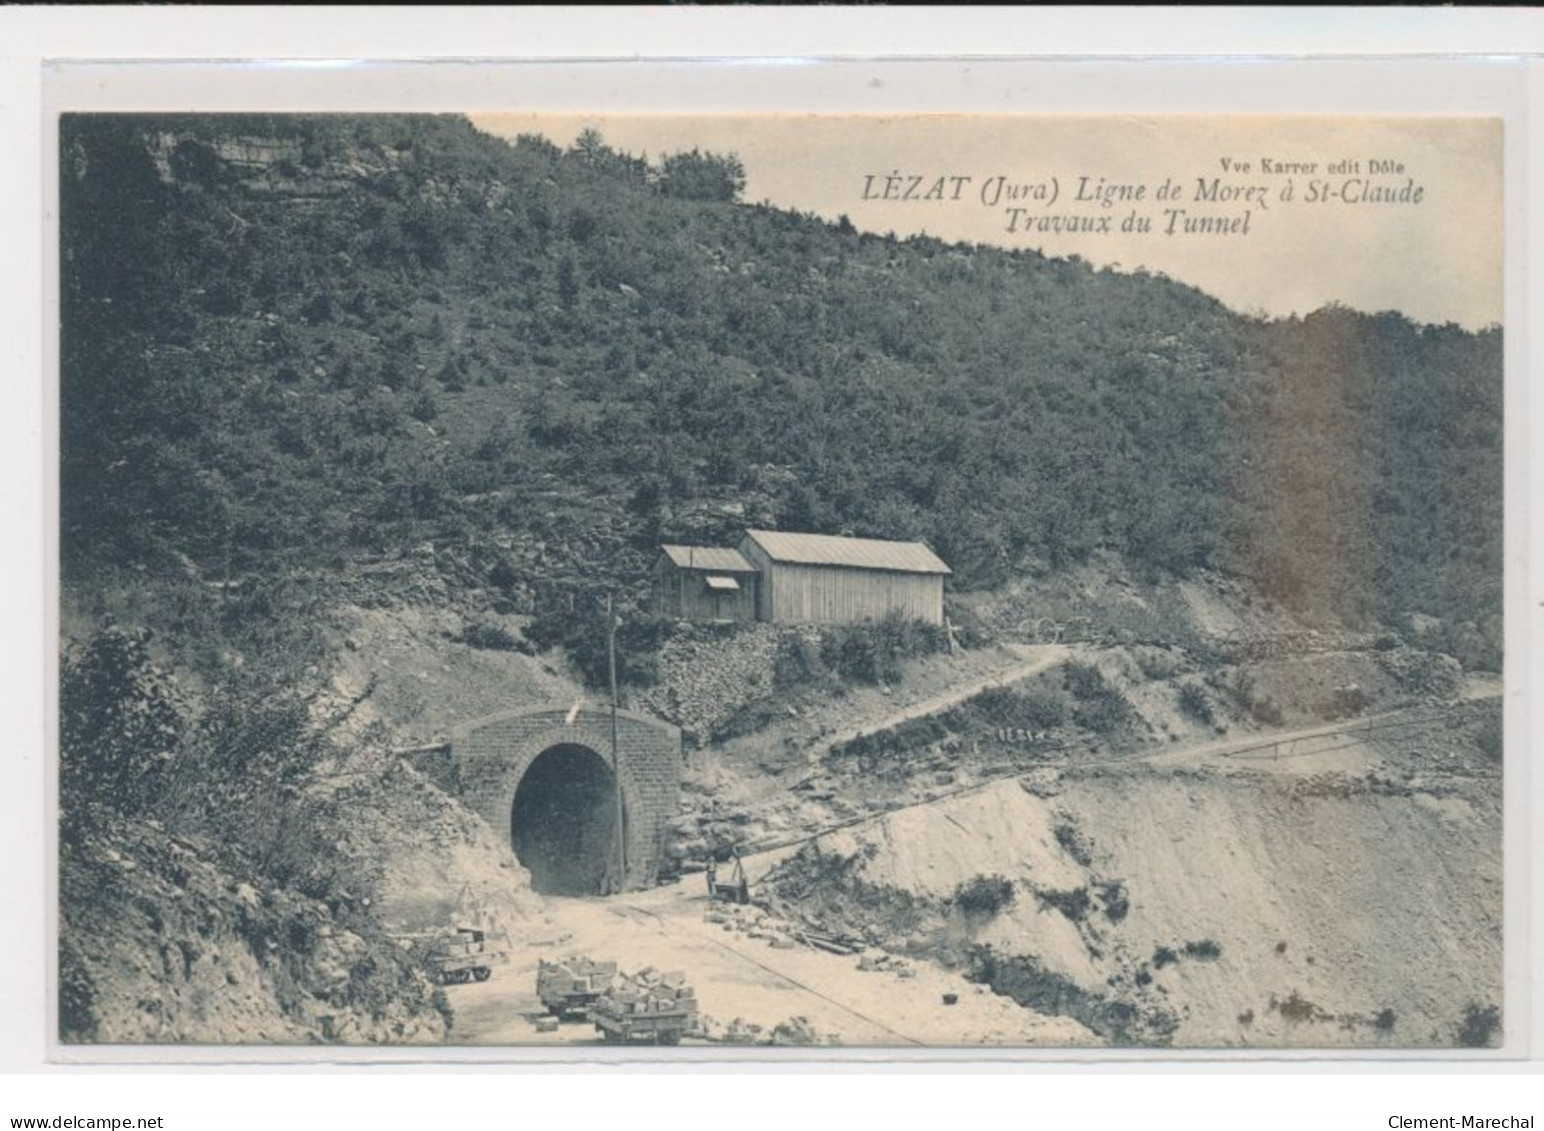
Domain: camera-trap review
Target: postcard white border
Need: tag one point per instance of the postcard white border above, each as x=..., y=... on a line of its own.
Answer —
x=1453, y=84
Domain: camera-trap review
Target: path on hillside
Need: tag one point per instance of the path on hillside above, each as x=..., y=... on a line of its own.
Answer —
x=1275, y=746
x=1296, y=750
x=1033, y=659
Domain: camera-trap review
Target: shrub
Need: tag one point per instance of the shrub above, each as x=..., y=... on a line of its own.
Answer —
x=1267, y=713
x=970, y=631
x=1104, y=715
x=121, y=719
x=1479, y=1026
x=1384, y=1021
x=984, y=895
x=1193, y=702
x=1074, y=904
x=1073, y=844
x=1100, y=708
x=1297, y=1008
x=1262, y=708
x=583, y=632
x=701, y=176
x=872, y=651
x=1083, y=681
x=1116, y=902
x=1158, y=663
x=1164, y=956
x=1489, y=738
x=1206, y=950
x=851, y=653
x=1034, y=708
x=77, y=994
x=318, y=309
x=252, y=739
x=490, y=637
x=1345, y=702
x=422, y=406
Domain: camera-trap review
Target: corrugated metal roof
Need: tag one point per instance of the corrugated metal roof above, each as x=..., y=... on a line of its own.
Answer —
x=859, y=553
x=719, y=581
x=719, y=558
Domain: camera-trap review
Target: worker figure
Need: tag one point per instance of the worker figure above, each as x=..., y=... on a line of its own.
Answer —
x=712, y=876
x=743, y=887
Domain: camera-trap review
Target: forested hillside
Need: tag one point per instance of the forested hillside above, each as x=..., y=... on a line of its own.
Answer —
x=297, y=347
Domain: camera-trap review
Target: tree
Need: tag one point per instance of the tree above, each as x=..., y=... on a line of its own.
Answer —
x=121, y=719
x=702, y=176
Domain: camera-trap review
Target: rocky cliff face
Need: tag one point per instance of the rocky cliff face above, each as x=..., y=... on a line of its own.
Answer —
x=267, y=165
x=166, y=939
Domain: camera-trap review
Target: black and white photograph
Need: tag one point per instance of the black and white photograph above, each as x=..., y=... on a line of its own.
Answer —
x=780, y=581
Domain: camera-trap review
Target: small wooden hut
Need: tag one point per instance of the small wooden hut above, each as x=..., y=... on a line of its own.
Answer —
x=704, y=583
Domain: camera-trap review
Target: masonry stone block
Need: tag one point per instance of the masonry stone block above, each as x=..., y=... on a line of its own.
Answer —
x=489, y=756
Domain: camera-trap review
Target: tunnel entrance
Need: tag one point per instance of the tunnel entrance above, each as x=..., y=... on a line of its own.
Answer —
x=563, y=821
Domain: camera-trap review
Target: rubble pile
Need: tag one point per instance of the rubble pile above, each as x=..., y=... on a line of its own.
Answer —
x=648, y=991
x=709, y=673
x=577, y=975
x=706, y=827
x=874, y=960
x=779, y=932
x=794, y=1032
x=751, y=922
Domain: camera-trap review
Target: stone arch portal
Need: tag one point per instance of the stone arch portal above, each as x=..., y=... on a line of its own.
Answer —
x=544, y=776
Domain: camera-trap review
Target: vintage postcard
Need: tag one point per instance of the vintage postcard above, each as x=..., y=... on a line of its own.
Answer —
x=775, y=581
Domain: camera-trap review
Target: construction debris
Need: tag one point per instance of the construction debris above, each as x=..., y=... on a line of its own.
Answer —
x=650, y=1006
x=878, y=960
x=569, y=987
x=751, y=922
x=796, y=1031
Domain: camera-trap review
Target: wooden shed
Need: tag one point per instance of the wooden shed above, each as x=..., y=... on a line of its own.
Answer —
x=827, y=579
x=704, y=583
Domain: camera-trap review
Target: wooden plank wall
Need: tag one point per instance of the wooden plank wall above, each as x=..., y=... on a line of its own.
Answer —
x=838, y=595
x=680, y=593
x=841, y=595
x=758, y=558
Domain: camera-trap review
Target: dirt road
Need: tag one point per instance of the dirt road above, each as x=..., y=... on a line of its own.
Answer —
x=740, y=977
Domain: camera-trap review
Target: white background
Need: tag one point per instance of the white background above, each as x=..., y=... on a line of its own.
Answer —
x=1175, y=1094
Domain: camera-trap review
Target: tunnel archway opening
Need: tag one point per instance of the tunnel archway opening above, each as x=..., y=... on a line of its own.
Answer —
x=563, y=821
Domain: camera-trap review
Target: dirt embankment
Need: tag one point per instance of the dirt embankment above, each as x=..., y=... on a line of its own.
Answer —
x=427, y=673
x=1201, y=906
x=162, y=944
x=158, y=945
x=434, y=865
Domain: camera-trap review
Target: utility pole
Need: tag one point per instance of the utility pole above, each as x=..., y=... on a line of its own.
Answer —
x=612, y=624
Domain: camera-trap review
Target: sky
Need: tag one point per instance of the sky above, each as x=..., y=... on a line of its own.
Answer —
x=1382, y=213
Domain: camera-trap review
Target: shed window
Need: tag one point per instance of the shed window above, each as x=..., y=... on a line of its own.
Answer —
x=722, y=583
